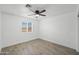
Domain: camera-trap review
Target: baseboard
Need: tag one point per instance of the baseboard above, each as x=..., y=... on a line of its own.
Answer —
x=77, y=50
x=57, y=43
x=19, y=43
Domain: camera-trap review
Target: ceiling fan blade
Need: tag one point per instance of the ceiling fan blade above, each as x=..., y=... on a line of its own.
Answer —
x=42, y=11
x=29, y=7
x=42, y=14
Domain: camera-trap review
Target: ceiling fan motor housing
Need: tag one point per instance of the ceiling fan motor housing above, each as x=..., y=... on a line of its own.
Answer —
x=37, y=12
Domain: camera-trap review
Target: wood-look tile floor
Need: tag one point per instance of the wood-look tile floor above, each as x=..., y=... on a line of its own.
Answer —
x=38, y=47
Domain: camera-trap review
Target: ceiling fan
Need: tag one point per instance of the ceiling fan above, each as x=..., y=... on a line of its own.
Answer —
x=36, y=12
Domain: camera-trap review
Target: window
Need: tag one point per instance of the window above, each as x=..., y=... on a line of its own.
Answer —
x=26, y=26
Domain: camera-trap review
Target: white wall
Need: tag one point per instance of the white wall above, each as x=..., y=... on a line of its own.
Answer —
x=0, y=31
x=11, y=30
x=78, y=29
x=78, y=37
x=60, y=29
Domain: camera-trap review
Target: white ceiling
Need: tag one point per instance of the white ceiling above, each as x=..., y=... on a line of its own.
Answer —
x=51, y=9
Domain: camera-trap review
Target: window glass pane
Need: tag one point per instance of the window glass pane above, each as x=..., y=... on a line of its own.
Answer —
x=24, y=26
x=29, y=26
